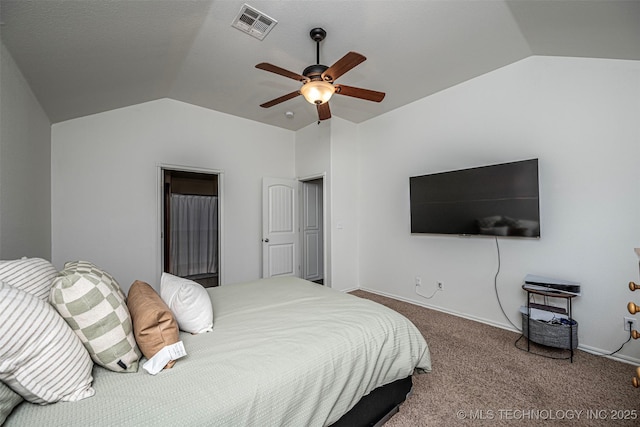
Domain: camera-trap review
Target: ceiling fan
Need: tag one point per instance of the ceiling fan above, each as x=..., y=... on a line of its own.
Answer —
x=318, y=80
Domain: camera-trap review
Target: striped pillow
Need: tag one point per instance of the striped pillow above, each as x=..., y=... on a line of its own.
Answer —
x=40, y=356
x=33, y=275
x=92, y=303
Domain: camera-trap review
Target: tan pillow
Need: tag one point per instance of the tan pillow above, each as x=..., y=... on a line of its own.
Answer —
x=153, y=323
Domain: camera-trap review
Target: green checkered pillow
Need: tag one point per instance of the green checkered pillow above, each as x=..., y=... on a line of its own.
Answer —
x=90, y=269
x=92, y=303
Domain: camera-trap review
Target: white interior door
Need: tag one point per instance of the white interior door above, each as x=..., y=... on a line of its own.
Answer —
x=312, y=246
x=279, y=227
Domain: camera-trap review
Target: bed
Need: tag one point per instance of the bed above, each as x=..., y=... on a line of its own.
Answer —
x=283, y=352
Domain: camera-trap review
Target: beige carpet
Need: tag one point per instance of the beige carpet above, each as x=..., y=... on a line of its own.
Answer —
x=480, y=378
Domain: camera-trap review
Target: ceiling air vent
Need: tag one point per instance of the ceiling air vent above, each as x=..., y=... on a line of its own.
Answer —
x=253, y=22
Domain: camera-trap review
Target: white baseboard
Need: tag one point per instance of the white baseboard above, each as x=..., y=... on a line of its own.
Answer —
x=586, y=348
x=604, y=353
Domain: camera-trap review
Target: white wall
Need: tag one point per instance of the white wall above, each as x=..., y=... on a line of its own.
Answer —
x=313, y=149
x=580, y=118
x=25, y=147
x=331, y=149
x=105, y=185
x=313, y=159
x=344, y=208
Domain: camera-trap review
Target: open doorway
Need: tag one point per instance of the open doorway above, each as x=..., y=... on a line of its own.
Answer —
x=191, y=218
x=312, y=230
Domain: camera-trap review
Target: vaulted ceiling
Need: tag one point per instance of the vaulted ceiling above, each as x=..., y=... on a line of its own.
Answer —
x=82, y=57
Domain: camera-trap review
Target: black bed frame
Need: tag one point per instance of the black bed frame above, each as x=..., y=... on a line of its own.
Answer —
x=378, y=406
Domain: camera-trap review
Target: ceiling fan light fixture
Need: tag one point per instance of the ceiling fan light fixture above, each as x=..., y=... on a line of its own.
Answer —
x=318, y=80
x=317, y=91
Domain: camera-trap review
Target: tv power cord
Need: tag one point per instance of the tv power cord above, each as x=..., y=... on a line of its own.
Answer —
x=495, y=287
x=623, y=344
x=424, y=296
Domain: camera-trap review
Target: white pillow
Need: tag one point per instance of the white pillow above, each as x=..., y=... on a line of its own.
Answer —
x=40, y=356
x=189, y=302
x=33, y=275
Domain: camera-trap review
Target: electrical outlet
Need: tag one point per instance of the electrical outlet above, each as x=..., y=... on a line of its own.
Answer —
x=440, y=286
x=626, y=323
x=418, y=281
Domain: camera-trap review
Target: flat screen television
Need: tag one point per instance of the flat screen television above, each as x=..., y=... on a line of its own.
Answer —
x=494, y=200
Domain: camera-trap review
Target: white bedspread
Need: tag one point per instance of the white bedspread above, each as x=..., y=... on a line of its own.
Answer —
x=283, y=352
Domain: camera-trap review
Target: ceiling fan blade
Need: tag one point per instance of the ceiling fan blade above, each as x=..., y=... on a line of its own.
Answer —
x=324, y=112
x=281, y=71
x=356, y=92
x=280, y=99
x=343, y=65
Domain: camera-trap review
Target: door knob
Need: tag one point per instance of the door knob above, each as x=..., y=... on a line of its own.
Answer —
x=265, y=240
